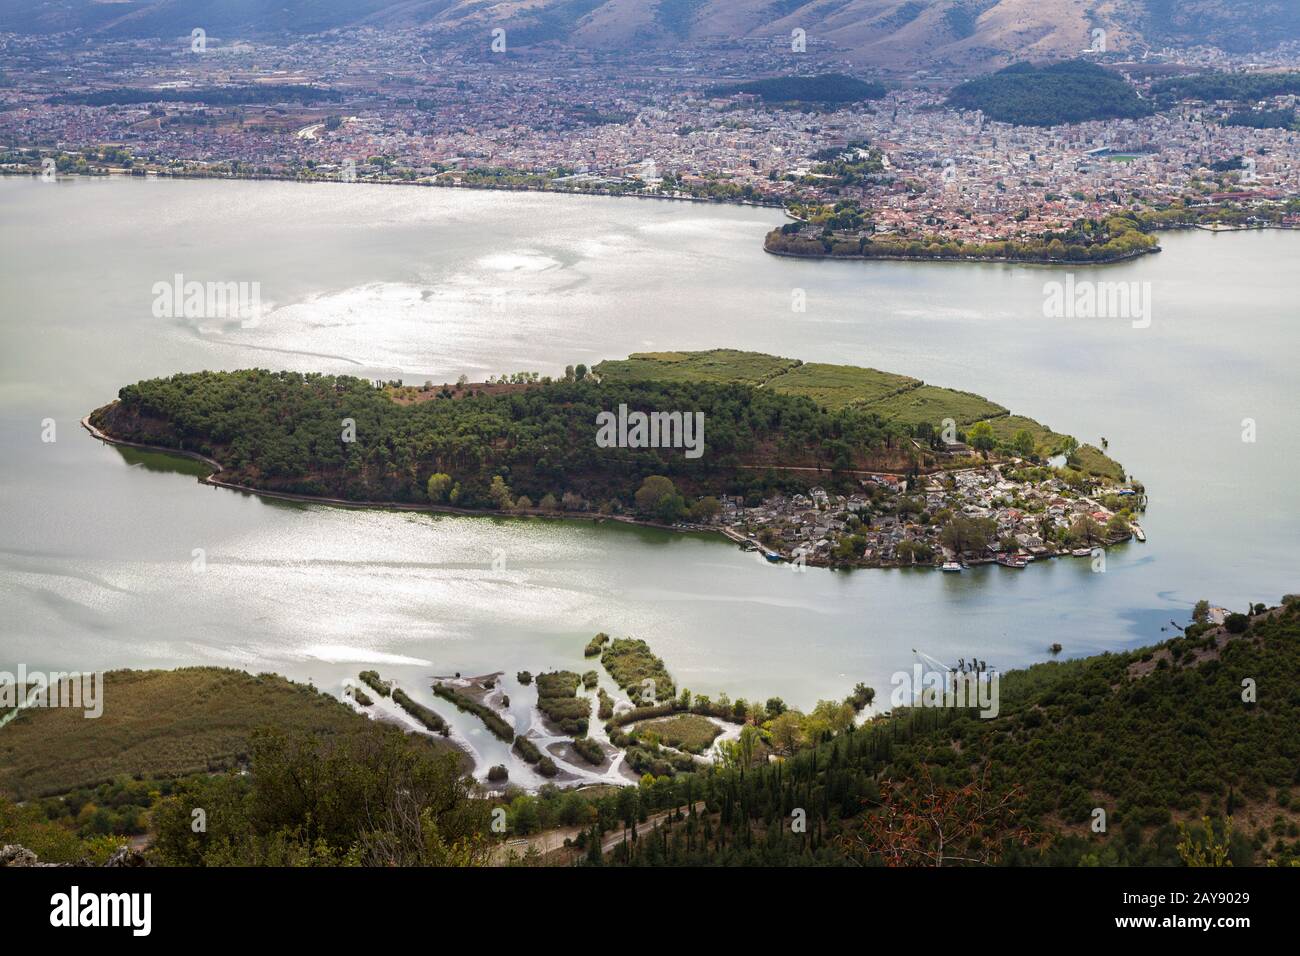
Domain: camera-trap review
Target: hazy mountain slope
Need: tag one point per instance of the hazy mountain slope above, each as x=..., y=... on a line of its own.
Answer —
x=1237, y=25
x=901, y=34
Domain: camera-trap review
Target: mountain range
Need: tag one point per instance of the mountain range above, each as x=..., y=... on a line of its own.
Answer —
x=892, y=34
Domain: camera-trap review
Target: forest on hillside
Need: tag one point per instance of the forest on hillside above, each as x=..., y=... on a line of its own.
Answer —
x=1188, y=748
x=1226, y=86
x=829, y=88
x=1069, y=92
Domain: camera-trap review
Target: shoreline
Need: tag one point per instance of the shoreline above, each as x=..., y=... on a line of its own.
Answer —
x=969, y=259
x=487, y=187
x=378, y=505
x=742, y=203
x=745, y=542
x=1213, y=228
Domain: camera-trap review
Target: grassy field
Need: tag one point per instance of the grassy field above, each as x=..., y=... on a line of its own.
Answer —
x=1094, y=461
x=719, y=365
x=158, y=724
x=690, y=732
x=894, y=397
x=839, y=386
x=1005, y=426
x=932, y=404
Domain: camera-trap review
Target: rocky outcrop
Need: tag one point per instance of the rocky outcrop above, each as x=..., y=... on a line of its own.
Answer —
x=14, y=855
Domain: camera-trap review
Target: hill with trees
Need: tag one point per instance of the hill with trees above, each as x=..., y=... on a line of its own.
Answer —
x=826, y=89
x=1214, y=85
x=1072, y=91
x=1179, y=753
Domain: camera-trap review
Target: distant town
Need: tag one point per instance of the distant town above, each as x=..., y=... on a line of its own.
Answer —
x=369, y=106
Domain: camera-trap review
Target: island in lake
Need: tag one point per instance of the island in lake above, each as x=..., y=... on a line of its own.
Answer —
x=831, y=465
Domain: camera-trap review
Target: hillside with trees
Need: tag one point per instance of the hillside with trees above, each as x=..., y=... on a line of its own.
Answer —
x=1184, y=752
x=827, y=89
x=1238, y=87
x=1179, y=753
x=1072, y=91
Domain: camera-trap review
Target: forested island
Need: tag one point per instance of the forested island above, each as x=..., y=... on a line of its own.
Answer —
x=834, y=464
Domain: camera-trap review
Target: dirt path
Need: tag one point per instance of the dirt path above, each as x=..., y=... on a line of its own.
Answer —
x=549, y=841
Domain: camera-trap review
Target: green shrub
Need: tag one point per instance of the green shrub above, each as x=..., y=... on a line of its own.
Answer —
x=556, y=699
x=631, y=663
x=527, y=750
x=361, y=697
x=375, y=683
x=421, y=713
x=494, y=721
x=590, y=750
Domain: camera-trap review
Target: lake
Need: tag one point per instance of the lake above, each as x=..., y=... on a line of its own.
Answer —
x=97, y=545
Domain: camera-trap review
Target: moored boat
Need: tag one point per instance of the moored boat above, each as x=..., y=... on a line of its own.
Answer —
x=952, y=566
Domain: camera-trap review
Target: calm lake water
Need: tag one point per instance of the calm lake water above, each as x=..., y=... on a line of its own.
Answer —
x=96, y=544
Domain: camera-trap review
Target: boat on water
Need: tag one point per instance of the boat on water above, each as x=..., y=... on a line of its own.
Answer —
x=1138, y=533
x=1012, y=560
x=1082, y=552
x=952, y=566
x=772, y=556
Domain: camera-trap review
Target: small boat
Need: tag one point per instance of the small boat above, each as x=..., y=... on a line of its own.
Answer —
x=772, y=556
x=1082, y=552
x=1138, y=533
x=952, y=566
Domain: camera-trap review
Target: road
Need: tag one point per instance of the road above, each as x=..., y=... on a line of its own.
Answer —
x=548, y=841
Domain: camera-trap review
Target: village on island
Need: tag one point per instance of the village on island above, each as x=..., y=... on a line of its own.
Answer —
x=1006, y=513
